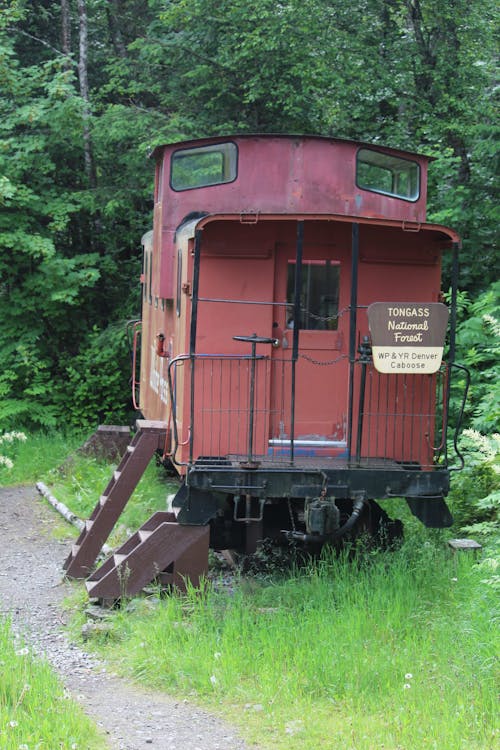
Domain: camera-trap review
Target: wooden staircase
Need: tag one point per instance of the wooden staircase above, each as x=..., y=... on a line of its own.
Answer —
x=162, y=549
x=149, y=438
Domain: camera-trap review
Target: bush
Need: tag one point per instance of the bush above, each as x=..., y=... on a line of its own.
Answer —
x=475, y=492
x=478, y=348
x=97, y=388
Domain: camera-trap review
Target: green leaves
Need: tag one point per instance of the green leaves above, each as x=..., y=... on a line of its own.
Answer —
x=418, y=74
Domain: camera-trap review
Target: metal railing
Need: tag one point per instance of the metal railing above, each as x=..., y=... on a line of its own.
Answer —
x=239, y=407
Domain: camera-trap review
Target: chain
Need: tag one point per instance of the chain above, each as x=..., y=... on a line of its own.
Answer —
x=321, y=362
x=324, y=318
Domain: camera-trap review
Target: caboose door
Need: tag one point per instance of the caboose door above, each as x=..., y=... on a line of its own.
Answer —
x=321, y=372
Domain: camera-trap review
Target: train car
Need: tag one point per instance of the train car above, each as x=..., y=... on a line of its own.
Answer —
x=292, y=338
x=292, y=335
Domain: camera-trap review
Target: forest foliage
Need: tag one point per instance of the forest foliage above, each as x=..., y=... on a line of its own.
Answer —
x=88, y=87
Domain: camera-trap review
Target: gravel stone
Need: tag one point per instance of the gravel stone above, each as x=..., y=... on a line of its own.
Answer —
x=31, y=592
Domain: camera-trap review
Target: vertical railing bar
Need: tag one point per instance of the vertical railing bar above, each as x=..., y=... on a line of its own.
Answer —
x=238, y=406
x=266, y=422
x=377, y=412
x=370, y=410
x=451, y=355
x=220, y=413
x=192, y=336
x=432, y=413
x=403, y=414
x=352, y=330
x=426, y=409
x=282, y=416
x=203, y=383
x=296, y=328
x=230, y=416
x=387, y=402
x=413, y=414
x=395, y=427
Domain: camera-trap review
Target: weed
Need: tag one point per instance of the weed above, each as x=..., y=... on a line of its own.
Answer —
x=34, y=709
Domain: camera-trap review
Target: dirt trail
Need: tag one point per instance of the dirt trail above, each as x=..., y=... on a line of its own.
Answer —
x=31, y=592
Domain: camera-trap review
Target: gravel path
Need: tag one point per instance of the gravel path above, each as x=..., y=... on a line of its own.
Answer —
x=31, y=592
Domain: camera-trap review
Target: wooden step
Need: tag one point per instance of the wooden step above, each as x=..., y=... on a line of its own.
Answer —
x=147, y=440
x=181, y=549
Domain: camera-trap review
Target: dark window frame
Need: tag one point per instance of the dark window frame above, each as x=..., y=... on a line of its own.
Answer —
x=388, y=193
x=209, y=148
x=313, y=312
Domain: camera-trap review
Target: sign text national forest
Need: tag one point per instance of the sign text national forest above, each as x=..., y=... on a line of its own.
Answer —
x=407, y=337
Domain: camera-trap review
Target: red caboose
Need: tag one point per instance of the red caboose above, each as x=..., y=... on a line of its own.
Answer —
x=292, y=336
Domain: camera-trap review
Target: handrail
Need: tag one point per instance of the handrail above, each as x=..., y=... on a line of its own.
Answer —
x=460, y=417
x=136, y=326
x=190, y=357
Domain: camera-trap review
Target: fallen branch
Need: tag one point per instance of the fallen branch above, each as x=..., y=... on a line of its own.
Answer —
x=60, y=507
x=66, y=513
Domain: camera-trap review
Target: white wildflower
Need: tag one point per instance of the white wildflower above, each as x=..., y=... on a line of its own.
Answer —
x=294, y=727
x=406, y=686
x=490, y=563
x=493, y=323
x=9, y=437
x=217, y=655
x=408, y=676
x=213, y=679
x=13, y=723
x=22, y=652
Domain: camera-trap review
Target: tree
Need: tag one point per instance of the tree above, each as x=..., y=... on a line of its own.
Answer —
x=88, y=87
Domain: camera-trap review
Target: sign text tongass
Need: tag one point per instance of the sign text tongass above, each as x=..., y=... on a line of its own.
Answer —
x=407, y=337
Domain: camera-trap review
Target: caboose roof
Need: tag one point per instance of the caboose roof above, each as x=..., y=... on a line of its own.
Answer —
x=439, y=232
x=158, y=150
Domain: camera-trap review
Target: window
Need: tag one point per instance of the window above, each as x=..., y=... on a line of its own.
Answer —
x=203, y=166
x=389, y=175
x=319, y=295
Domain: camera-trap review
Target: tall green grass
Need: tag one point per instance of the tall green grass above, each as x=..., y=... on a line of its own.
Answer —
x=78, y=480
x=388, y=650
x=35, y=712
x=395, y=650
x=37, y=455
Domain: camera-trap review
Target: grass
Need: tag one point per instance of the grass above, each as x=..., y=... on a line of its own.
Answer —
x=395, y=650
x=391, y=650
x=35, y=712
x=36, y=456
x=78, y=481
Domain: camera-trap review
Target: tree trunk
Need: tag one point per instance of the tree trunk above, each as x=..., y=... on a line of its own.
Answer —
x=84, y=92
x=115, y=14
x=66, y=32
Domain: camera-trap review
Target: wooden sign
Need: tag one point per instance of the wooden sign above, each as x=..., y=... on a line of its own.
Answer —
x=407, y=336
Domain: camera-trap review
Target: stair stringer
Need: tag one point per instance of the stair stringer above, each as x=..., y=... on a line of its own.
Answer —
x=163, y=549
x=149, y=438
